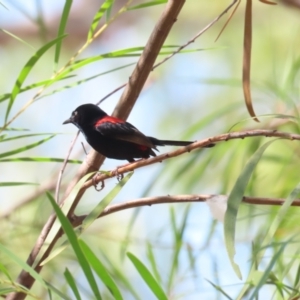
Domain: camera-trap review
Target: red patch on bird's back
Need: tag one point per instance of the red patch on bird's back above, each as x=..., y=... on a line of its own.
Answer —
x=142, y=147
x=109, y=119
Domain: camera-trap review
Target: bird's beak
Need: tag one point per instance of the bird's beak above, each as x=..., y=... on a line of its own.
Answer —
x=68, y=121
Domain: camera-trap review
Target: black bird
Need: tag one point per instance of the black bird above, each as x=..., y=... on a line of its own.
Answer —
x=115, y=138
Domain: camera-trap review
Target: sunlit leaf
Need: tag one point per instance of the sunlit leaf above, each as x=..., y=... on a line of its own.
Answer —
x=26, y=70
x=72, y=284
x=62, y=27
x=69, y=231
x=17, y=38
x=104, y=7
x=101, y=271
x=2, y=184
x=93, y=215
x=147, y=277
x=234, y=200
x=40, y=159
x=30, y=146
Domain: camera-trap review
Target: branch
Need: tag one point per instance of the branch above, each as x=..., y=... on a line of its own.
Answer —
x=196, y=145
x=94, y=159
x=77, y=220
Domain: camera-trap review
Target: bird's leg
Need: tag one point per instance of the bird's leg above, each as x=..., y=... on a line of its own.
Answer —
x=116, y=171
x=95, y=184
x=117, y=174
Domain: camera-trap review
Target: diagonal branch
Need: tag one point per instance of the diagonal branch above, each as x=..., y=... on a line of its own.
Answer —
x=94, y=159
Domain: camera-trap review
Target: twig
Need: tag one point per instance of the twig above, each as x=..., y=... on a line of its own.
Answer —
x=77, y=220
x=196, y=145
x=63, y=168
x=94, y=160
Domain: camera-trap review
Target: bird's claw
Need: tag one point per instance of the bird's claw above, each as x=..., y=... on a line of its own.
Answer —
x=95, y=184
x=117, y=174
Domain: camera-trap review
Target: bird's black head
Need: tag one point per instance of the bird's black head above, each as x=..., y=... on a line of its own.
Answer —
x=85, y=115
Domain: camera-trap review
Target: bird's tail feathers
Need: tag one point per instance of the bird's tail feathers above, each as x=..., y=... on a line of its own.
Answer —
x=158, y=142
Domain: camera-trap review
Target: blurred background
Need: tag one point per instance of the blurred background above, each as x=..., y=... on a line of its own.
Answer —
x=192, y=96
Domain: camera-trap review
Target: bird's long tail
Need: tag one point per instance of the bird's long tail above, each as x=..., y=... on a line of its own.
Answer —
x=158, y=142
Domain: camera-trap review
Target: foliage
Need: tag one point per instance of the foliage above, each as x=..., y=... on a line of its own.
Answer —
x=164, y=251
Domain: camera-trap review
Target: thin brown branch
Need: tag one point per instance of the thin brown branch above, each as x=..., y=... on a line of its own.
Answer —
x=196, y=145
x=149, y=201
x=197, y=35
x=94, y=160
x=63, y=167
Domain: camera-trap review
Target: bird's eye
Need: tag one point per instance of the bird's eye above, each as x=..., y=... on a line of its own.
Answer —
x=75, y=113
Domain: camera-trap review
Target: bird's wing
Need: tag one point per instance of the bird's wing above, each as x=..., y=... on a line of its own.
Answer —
x=118, y=129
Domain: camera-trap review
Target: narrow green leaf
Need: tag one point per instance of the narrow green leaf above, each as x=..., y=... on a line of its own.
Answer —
x=72, y=284
x=178, y=236
x=13, y=129
x=219, y=289
x=16, y=183
x=151, y=258
x=24, y=136
x=6, y=96
x=266, y=272
x=297, y=277
x=147, y=277
x=82, y=81
x=40, y=159
x=122, y=276
x=93, y=215
x=127, y=52
x=17, y=38
x=150, y=3
x=69, y=231
x=100, y=270
x=270, y=234
x=24, y=266
x=26, y=70
x=103, y=8
x=52, y=288
x=5, y=272
x=61, y=28
x=30, y=146
x=234, y=201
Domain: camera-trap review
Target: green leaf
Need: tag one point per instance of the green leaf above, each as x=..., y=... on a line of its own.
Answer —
x=147, y=277
x=30, y=146
x=26, y=70
x=32, y=86
x=122, y=276
x=100, y=270
x=61, y=28
x=266, y=273
x=5, y=272
x=27, y=268
x=150, y=3
x=69, y=231
x=16, y=183
x=17, y=38
x=127, y=52
x=82, y=81
x=234, y=201
x=219, y=289
x=24, y=136
x=40, y=159
x=72, y=284
x=93, y=215
x=103, y=8
x=178, y=236
x=151, y=258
